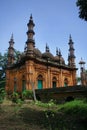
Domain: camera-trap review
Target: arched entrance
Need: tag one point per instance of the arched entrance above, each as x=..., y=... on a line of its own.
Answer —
x=65, y=82
x=40, y=82
x=54, y=82
x=15, y=84
x=23, y=83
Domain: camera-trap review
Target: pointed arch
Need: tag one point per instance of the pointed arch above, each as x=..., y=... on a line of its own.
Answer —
x=40, y=81
x=54, y=82
x=65, y=82
x=15, y=84
x=23, y=83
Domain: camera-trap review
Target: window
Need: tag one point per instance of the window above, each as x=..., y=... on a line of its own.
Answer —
x=40, y=82
x=15, y=84
x=23, y=83
x=54, y=82
x=65, y=82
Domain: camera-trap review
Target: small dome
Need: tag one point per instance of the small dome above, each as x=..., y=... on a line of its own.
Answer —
x=59, y=59
x=37, y=52
x=48, y=55
x=62, y=60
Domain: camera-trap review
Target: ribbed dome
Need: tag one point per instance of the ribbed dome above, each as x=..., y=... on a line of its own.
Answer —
x=59, y=59
x=48, y=55
x=62, y=60
x=37, y=52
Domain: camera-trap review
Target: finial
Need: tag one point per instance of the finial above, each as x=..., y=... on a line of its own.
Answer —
x=12, y=36
x=11, y=39
x=47, y=48
x=60, y=52
x=31, y=17
x=70, y=36
x=57, y=51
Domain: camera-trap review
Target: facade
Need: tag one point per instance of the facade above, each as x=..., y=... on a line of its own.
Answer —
x=36, y=69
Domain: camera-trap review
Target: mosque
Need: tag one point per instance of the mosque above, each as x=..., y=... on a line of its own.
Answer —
x=37, y=69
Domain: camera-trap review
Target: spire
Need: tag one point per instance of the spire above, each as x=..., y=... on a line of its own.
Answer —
x=71, y=55
x=60, y=53
x=30, y=43
x=11, y=42
x=57, y=52
x=70, y=38
x=47, y=48
x=11, y=51
x=31, y=17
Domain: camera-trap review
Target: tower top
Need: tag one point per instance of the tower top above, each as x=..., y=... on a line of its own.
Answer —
x=11, y=39
x=31, y=21
x=70, y=39
x=81, y=62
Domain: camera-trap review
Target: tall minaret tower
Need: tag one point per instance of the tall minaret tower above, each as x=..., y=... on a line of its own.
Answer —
x=30, y=43
x=71, y=56
x=11, y=51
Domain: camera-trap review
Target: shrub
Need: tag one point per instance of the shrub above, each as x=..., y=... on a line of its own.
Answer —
x=15, y=97
x=2, y=95
x=27, y=94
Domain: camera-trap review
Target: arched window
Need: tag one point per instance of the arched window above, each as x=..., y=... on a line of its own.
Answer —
x=15, y=84
x=40, y=82
x=65, y=82
x=54, y=82
x=23, y=83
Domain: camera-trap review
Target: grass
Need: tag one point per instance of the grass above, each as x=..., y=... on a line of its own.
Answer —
x=42, y=116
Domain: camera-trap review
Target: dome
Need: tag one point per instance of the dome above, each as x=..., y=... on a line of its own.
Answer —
x=48, y=55
x=59, y=59
x=62, y=60
x=37, y=52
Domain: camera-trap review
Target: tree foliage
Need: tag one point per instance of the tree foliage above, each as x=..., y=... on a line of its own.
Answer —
x=82, y=4
x=4, y=60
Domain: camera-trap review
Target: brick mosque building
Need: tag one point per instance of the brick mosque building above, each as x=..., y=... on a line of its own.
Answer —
x=41, y=70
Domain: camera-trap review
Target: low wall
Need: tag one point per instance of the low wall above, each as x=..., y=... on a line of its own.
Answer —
x=62, y=94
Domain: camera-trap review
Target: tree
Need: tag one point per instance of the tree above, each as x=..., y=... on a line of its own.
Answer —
x=82, y=4
x=3, y=62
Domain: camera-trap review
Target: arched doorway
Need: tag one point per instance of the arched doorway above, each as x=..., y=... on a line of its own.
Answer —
x=65, y=82
x=54, y=82
x=23, y=83
x=15, y=84
x=40, y=82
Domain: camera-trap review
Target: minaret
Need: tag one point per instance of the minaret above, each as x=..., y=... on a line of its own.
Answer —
x=30, y=43
x=71, y=56
x=82, y=72
x=11, y=51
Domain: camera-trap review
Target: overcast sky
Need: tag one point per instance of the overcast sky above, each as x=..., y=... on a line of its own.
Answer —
x=54, y=21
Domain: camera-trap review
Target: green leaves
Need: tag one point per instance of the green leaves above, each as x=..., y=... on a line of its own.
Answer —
x=82, y=4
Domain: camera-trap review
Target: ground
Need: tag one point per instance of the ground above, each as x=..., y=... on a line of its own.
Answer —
x=30, y=116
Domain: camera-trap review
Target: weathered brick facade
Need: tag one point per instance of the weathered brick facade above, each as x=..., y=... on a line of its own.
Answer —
x=39, y=70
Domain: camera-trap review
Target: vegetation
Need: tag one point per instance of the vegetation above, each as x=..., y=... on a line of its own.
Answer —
x=3, y=63
x=18, y=114
x=2, y=94
x=82, y=4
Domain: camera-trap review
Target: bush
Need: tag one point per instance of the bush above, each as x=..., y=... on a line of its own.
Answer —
x=15, y=97
x=27, y=94
x=2, y=95
x=75, y=107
